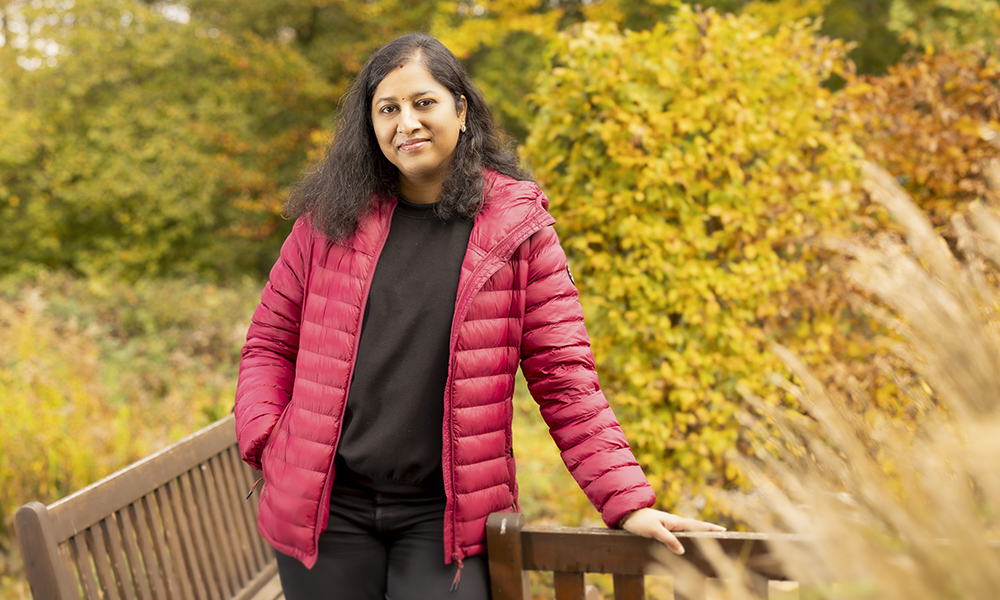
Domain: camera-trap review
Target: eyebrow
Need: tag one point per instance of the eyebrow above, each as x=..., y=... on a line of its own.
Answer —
x=394, y=99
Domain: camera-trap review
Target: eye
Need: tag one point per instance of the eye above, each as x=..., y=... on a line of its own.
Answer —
x=427, y=102
x=387, y=109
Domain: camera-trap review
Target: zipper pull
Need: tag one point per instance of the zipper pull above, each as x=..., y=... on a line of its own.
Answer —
x=254, y=486
x=458, y=576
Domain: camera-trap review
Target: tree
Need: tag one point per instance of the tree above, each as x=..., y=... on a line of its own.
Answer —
x=138, y=145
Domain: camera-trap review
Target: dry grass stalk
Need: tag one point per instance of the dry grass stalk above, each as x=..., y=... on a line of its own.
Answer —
x=891, y=512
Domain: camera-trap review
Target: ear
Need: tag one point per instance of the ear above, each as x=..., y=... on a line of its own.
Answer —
x=460, y=107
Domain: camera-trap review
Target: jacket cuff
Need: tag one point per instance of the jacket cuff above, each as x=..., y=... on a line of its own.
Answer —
x=620, y=505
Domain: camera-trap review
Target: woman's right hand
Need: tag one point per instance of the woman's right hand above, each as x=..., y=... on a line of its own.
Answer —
x=658, y=525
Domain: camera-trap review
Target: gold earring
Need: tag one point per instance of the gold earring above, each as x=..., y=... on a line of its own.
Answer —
x=463, y=128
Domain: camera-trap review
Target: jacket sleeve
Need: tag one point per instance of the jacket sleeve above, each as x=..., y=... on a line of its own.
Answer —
x=267, y=366
x=559, y=366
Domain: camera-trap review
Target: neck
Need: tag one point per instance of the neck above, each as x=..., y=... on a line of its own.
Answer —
x=420, y=192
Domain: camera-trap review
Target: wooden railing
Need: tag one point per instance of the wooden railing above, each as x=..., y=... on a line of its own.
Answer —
x=569, y=552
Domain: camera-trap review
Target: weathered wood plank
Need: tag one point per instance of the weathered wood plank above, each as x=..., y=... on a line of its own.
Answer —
x=232, y=525
x=99, y=554
x=507, y=577
x=265, y=586
x=592, y=550
x=187, y=551
x=218, y=543
x=168, y=550
x=96, y=501
x=569, y=586
x=50, y=576
x=269, y=590
x=133, y=562
x=629, y=587
x=84, y=568
x=154, y=571
x=198, y=549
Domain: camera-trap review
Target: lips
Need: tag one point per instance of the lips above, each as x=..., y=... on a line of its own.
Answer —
x=413, y=144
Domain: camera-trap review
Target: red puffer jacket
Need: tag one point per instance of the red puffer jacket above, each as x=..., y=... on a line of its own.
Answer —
x=516, y=304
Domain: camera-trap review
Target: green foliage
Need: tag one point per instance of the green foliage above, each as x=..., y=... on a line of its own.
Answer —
x=139, y=146
x=335, y=36
x=947, y=23
x=689, y=167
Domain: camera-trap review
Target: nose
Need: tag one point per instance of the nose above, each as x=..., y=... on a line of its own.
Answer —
x=408, y=121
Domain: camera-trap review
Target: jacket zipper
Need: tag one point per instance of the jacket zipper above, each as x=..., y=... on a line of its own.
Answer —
x=514, y=239
x=254, y=486
x=324, y=515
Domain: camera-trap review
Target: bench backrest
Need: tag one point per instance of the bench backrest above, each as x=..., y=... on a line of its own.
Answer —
x=570, y=552
x=174, y=525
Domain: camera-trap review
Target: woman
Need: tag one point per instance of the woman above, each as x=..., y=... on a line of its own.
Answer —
x=376, y=382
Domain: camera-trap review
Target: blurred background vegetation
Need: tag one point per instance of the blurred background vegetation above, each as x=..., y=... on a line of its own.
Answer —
x=698, y=160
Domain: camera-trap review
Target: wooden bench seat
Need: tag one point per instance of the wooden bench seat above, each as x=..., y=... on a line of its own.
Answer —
x=175, y=525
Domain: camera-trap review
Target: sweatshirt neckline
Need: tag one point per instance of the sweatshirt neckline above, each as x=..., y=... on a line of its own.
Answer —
x=412, y=210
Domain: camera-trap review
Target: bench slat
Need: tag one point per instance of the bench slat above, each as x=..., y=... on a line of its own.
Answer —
x=223, y=523
x=167, y=545
x=110, y=528
x=198, y=552
x=186, y=550
x=239, y=524
x=569, y=586
x=154, y=572
x=209, y=520
x=84, y=566
x=237, y=477
x=99, y=555
x=265, y=586
x=126, y=528
x=232, y=533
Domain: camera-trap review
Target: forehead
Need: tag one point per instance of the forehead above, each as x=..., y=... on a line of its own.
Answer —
x=410, y=78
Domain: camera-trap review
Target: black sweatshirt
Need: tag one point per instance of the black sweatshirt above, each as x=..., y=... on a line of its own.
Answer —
x=392, y=431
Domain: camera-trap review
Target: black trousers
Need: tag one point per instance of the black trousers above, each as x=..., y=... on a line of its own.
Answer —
x=383, y=547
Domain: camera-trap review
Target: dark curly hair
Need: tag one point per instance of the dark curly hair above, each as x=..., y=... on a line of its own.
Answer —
x=355, y=174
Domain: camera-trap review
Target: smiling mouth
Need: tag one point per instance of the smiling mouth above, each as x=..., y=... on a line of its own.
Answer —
x=413, y=144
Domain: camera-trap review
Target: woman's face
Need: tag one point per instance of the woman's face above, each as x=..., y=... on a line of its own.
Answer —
x=417, y=126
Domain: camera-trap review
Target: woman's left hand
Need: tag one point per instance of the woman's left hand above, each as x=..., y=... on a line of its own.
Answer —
x=658, y=525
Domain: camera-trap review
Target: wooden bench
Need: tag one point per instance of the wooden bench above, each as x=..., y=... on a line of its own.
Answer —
x=175, y=525
x=570, y=552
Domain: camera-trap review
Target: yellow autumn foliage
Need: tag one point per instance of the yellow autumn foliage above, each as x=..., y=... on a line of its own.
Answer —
x=691, y=167
x=96, y=375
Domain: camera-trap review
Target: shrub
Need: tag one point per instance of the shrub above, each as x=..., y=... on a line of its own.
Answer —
x=921, y=122
x=689, y=168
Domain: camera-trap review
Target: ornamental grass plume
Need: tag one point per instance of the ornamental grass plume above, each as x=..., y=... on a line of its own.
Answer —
x=887, y=510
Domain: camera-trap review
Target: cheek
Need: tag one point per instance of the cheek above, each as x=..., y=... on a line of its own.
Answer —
x=384, y=136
